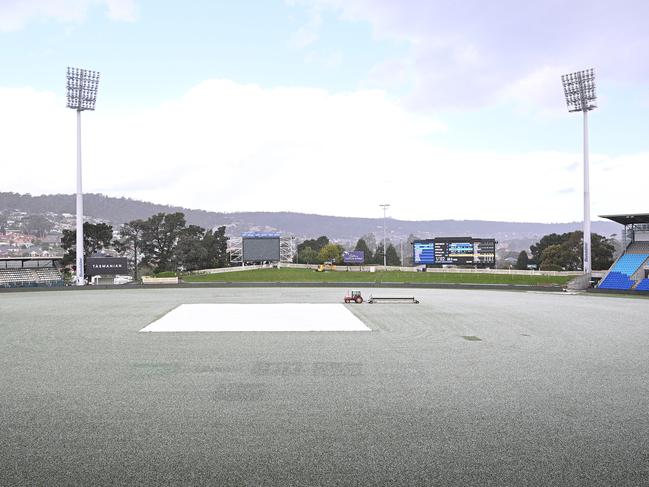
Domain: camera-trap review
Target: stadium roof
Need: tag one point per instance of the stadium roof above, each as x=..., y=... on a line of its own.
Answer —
x=52, y=257
x=628, y=219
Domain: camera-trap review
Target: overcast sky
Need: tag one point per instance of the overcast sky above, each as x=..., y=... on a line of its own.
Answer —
x=445, y=109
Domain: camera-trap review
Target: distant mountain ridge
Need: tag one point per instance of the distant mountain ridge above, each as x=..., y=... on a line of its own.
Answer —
x=121, y=210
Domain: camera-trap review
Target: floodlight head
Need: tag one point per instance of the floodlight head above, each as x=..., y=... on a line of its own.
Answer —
x=82, y=89
x=579, y=88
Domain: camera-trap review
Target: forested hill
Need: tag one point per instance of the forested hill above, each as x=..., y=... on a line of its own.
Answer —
x=120, y=210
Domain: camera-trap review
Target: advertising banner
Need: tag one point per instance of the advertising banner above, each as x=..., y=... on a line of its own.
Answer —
x=106, y=266
x=353, y=257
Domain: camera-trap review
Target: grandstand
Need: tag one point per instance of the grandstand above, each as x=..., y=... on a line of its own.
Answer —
x=30, y=272
x=631, y=270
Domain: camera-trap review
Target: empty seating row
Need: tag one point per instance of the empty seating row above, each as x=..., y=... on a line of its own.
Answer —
x=638, y=248
x=616, y=280
x=643, y=286
x=20, y=275
x=629, y=263
x=30, y=277
x=48, y=274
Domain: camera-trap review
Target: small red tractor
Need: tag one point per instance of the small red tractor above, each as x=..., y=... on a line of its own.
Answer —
x=354, y=297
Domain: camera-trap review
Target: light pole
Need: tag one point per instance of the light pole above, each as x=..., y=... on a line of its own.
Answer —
x=579, y=88
x=385, y=206
x=297, y=257
x=81, y=94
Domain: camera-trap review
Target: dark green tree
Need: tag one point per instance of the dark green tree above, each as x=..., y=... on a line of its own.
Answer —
x=362, y=246
x=196, y=249
x=190, y=252
x=96, y=237
x=572, y=251
x=523, y=261
x=370, y=240
x=216, y=244
x=391, y=256
x=160, y=238
x=566, y=251
x=553, y=258
x=331, y=253
x=315, y=244
x=602, y=252
x=308, y=256
x=378, y=255
x=546, y=241
x=130, y=241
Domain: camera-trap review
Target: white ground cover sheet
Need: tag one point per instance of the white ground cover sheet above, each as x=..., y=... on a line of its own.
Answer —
x=258, y=317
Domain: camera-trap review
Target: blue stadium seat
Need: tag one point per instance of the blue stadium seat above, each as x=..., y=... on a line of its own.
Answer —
x=643, y=286
x=629, y=263
x=624, y=268
x=616, y=280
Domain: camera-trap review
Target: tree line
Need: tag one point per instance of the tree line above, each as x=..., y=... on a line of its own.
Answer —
x=557, y=252
x=163, y=242
x=319, y=250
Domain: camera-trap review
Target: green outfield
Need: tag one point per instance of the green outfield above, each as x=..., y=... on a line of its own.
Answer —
x=467, y=388
x=308, y=275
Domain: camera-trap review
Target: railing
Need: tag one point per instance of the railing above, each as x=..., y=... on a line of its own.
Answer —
x=367, y=268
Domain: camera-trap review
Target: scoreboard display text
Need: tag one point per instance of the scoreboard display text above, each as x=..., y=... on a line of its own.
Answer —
x=455, y=251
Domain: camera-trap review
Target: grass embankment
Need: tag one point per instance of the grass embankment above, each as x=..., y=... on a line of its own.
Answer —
x=307, y=275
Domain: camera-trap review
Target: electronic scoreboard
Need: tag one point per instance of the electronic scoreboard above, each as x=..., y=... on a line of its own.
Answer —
x=460, y=251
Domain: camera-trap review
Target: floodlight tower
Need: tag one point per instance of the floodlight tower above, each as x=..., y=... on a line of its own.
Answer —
x=579, y=88
x=82, y=94
x=385, y=206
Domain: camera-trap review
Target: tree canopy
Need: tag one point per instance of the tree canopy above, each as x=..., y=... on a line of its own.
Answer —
x=315, y=244
x=370, y=240
x=523, y=261
x=378, y=255
x=565, y=252
x=160, y=238
x=166, y=243
x=331, y=252
x=96, y=237
x=130, y=241
x=362, y=246
x=391, y=256
x=308, y=256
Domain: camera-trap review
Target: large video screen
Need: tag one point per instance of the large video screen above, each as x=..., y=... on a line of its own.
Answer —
x=261, y=249
x=485, y=251
x=455, y=251
x=424, y=252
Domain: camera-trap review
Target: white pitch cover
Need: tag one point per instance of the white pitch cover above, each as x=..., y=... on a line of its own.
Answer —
x=257, y=317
